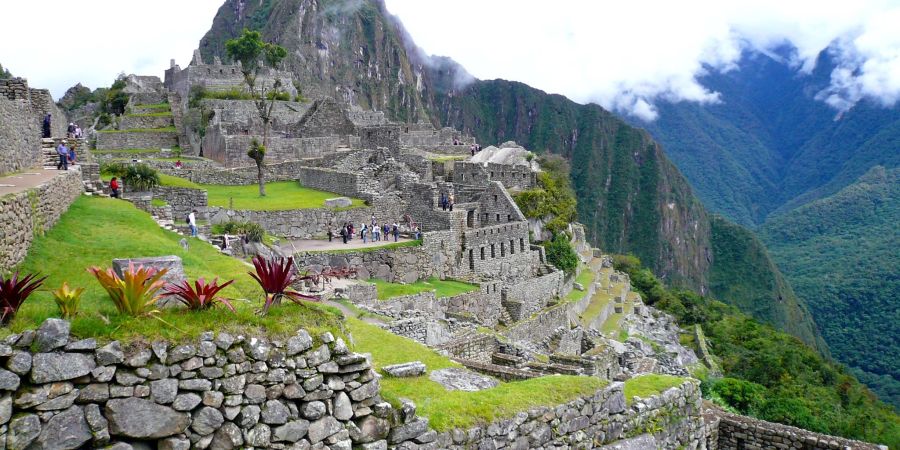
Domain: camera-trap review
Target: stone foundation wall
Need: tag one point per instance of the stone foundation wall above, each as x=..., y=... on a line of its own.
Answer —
x=231, y=150
x=533, y=293
x=741, y=432
x=403, y=265
x=27, y=214
x=344, y=183
x=512, y=176
x=134, y=140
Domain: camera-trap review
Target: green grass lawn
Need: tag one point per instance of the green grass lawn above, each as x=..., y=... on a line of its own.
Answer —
x=126, y=151
x=585, y=278
x=441, y=288
x=153, y=114
x=140, y=130
x=153, y=105
x=96, y=230
x=598, y=303
x=280, y=195
x=458, y=409
x=649, y=385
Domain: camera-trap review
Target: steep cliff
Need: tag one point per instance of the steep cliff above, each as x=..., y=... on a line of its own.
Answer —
x=631, y=198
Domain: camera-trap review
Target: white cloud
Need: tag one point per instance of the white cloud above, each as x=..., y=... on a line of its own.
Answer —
x=58, y=43
x=626, y=55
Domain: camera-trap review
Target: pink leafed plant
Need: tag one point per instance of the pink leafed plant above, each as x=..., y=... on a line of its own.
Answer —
x=199, y=296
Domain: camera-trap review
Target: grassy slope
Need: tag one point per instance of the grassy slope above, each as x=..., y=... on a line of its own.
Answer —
x=649, y=385
x=449, y=409
x=840, y=254
x=280, y=195
x=585, y=278
x=441, y=288
x=96, y=230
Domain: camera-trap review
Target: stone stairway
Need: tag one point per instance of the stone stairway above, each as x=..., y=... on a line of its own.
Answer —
x=49, y=157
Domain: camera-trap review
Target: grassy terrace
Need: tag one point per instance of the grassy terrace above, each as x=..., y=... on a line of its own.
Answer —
x=598, y=302
x=585, y=278
x=451, y=409
x=649, y=385
x=441, y=288
x=141, y=130
x=96, y=230
x=153, y=105
x=280, y=195
x=153, y=114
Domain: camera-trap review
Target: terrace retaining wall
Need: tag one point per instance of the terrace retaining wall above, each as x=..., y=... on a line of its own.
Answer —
x=122, y=140
x=27, y=214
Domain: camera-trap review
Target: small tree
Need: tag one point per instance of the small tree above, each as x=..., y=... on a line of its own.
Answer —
x=254, y=55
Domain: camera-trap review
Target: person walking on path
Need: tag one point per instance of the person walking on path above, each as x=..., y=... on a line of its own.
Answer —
x=396, y=231
x=330, y=233
x=344, y=233
x=365, y=233
x=46, y=127
x=63, y=153
x=192, y=222
x=70, y=130
x=72, y=155
x=376, y=232
x=451, y=201
x=373, y=223
x=443, y=202
x=114, y=187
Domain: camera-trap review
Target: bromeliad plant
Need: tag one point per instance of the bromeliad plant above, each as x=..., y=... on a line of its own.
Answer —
x=136, y=292
x=13, y=293
x=276, y=276
x=199, y=296
x=67, y=299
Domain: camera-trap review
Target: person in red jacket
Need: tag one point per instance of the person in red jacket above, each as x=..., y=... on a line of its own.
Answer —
x=114, y=187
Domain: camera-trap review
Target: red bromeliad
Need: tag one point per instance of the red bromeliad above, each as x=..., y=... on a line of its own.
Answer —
x=276, y=276
x=199, y=296
x=14, y=291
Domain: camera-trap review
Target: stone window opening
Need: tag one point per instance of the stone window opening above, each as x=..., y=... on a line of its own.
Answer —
x=509, y=217
x=498, y=218
x=502, y=249
x=512, y=247
x=495, y=196
x=482, y=253
x=470, y=219
x=522, y=244
x=493, y=253
x=492, y=176
x=221, y=71
x=471, y=260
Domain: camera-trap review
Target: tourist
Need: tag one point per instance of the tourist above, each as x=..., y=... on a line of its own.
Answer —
x=178, y=164
x=451, y=201
x=192, y=222
x=373, y=220
x=386, y=229
x=472, y=149
x=350, y=231
x=63, y=153
x=330, y=233
x=364, y=233
x=344, y=233
x=396, y=231
x=70, y=130
x=418, y=233
x=46, y=126
x=443, y=201
x=114, y=187
x=78, y=133
x=72, y=155
x=376, y=232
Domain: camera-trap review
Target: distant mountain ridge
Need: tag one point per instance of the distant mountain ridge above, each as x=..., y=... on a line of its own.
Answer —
x=631, y=197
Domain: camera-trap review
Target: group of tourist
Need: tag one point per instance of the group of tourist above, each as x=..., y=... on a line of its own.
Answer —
x=474, y=148
x=447, y=201
x=370, y=232
x=74, y=131
x=66, y=156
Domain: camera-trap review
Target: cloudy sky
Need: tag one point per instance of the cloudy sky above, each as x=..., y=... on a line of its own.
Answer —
x=624, y=55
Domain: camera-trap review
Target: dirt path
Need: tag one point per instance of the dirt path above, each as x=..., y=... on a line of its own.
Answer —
x=26, y=179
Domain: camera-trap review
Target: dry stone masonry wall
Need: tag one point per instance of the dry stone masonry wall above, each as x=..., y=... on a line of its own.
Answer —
x=121, y=140
x=26, y=214
x=734, y=432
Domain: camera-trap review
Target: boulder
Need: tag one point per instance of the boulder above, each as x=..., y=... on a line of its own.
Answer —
x=456, y=379
x=207, y=420
x=175, y=272
x=64, y=431
x=292, y=431
x=23, y=430
x=322, y=428
x=52, y=334
x=50, y=367
x=338, y=202
x=409, y=369
x=142, y=419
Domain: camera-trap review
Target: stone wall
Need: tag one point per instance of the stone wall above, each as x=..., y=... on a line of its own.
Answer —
x=20, y=136
x=122, y=140
x=512, y=176
x=141, y=121
x=304, y=223
x=237, y=176
x=380, y=136
x=30, y=213
x=540, y=326
x=344, y=183
x=736, y=432
x=403, y=265
x=221, y=391
x=532, y=294
x=183, y=201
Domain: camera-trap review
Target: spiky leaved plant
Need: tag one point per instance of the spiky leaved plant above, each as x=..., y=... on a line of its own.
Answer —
x=14, y=291
x=199, y=296
x=67, y=299
x=136, y=292
x=275, y=276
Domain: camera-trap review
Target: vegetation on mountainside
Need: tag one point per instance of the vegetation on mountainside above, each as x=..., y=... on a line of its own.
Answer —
x=78, y=96
x=441, y=288
x=116, y=99
x=255, y=55
x=459, y=409
x=95, y=230
x=798, y=386
x=561, y=254
x=840, y=254
x=553, y=199
x=745, y=274
x=4, y=73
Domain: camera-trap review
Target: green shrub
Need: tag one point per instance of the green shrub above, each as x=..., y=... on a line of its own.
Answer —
x=553, y=197
x=744, y=396
x=115, y=169
x=282, y=96
x=140, y=177
x=67, y=300
x=561, y=254
x=254, y=232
